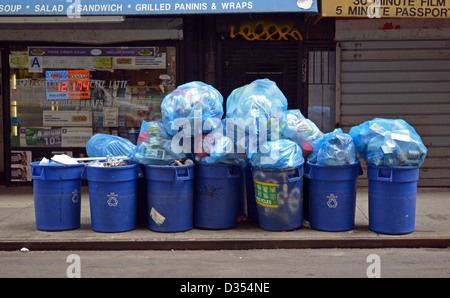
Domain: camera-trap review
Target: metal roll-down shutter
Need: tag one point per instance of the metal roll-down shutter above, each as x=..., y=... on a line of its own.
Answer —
x=401, y=79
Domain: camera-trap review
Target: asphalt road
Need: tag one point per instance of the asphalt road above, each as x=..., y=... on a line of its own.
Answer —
x=227, y=264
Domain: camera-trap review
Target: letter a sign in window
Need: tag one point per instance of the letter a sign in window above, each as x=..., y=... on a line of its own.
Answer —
x=34, y=64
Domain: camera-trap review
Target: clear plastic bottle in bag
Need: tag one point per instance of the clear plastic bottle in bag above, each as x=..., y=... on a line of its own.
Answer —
x=300, y=130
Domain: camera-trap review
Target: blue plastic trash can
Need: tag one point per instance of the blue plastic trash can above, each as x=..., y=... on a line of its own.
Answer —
x=278, y=194
x=216, y=195
x=392, y=198
x=332, y=196
x=170, y=197
x=113, y=196
x=57, y=196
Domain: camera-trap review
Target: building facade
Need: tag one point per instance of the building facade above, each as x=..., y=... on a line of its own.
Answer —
x=70, y=70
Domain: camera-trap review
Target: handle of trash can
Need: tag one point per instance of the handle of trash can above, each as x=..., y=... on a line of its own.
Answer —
x=296, y=176
x=307, y=171
x=182, y=173
x=234, y=172
x=384, y=177
x=37, y=175
x=140, y=174
x=84, y=172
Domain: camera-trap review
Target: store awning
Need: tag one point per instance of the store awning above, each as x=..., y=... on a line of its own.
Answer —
x=414, y=9
x=79, y=8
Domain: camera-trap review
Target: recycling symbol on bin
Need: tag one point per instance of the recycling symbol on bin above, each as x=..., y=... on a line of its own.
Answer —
x=112, y=199
x=75, y=196
x=332, y=202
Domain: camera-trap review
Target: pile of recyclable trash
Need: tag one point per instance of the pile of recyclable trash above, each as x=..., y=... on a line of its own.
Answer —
x=64, y=159
x=110, y=161
x=258, y=133
x=258, y=129
x=300, y=130
x=280, y=154
x=388, y=142
x=275, y=137
x=334, y=149
x=191, y=102
x=154, y=145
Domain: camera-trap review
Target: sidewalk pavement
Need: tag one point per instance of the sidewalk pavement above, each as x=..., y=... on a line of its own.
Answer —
x=18, y=230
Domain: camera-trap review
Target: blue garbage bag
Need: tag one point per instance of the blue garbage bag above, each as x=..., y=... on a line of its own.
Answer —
x=334, y=149
x=155, y=146
x=101, y=145
x=388, y=142
x=236, y=133
x=257, y=107
x=192, y=101
x=219, y=148
x=301, y=130
x=279, y=154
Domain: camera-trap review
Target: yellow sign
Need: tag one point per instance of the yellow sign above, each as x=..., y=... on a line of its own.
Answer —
x=431, y=9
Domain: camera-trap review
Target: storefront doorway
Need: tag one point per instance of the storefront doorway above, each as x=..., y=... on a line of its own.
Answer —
x=280, y=61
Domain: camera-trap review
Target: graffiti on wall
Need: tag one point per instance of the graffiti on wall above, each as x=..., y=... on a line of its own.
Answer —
x=262, y=30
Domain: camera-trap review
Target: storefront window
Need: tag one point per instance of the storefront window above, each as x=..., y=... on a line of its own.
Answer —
x=61, y=96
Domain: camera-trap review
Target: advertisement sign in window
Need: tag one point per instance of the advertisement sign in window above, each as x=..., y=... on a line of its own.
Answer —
x=97, y=58
x=67, y=84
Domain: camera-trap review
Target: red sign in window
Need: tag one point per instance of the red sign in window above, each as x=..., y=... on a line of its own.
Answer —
x=78, y=84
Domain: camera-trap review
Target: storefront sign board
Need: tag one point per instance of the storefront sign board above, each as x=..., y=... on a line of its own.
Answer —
x=422, y=9
x=95, y=58
x=80, y=8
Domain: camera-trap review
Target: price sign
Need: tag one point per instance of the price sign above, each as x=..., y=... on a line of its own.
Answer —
x=67, y=84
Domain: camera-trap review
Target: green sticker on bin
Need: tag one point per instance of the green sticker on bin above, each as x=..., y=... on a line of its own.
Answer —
x=266, y=194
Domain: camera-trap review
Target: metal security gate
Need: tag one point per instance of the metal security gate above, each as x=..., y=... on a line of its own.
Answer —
x=322, y=89
x=407, y=79
x=279, y=61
